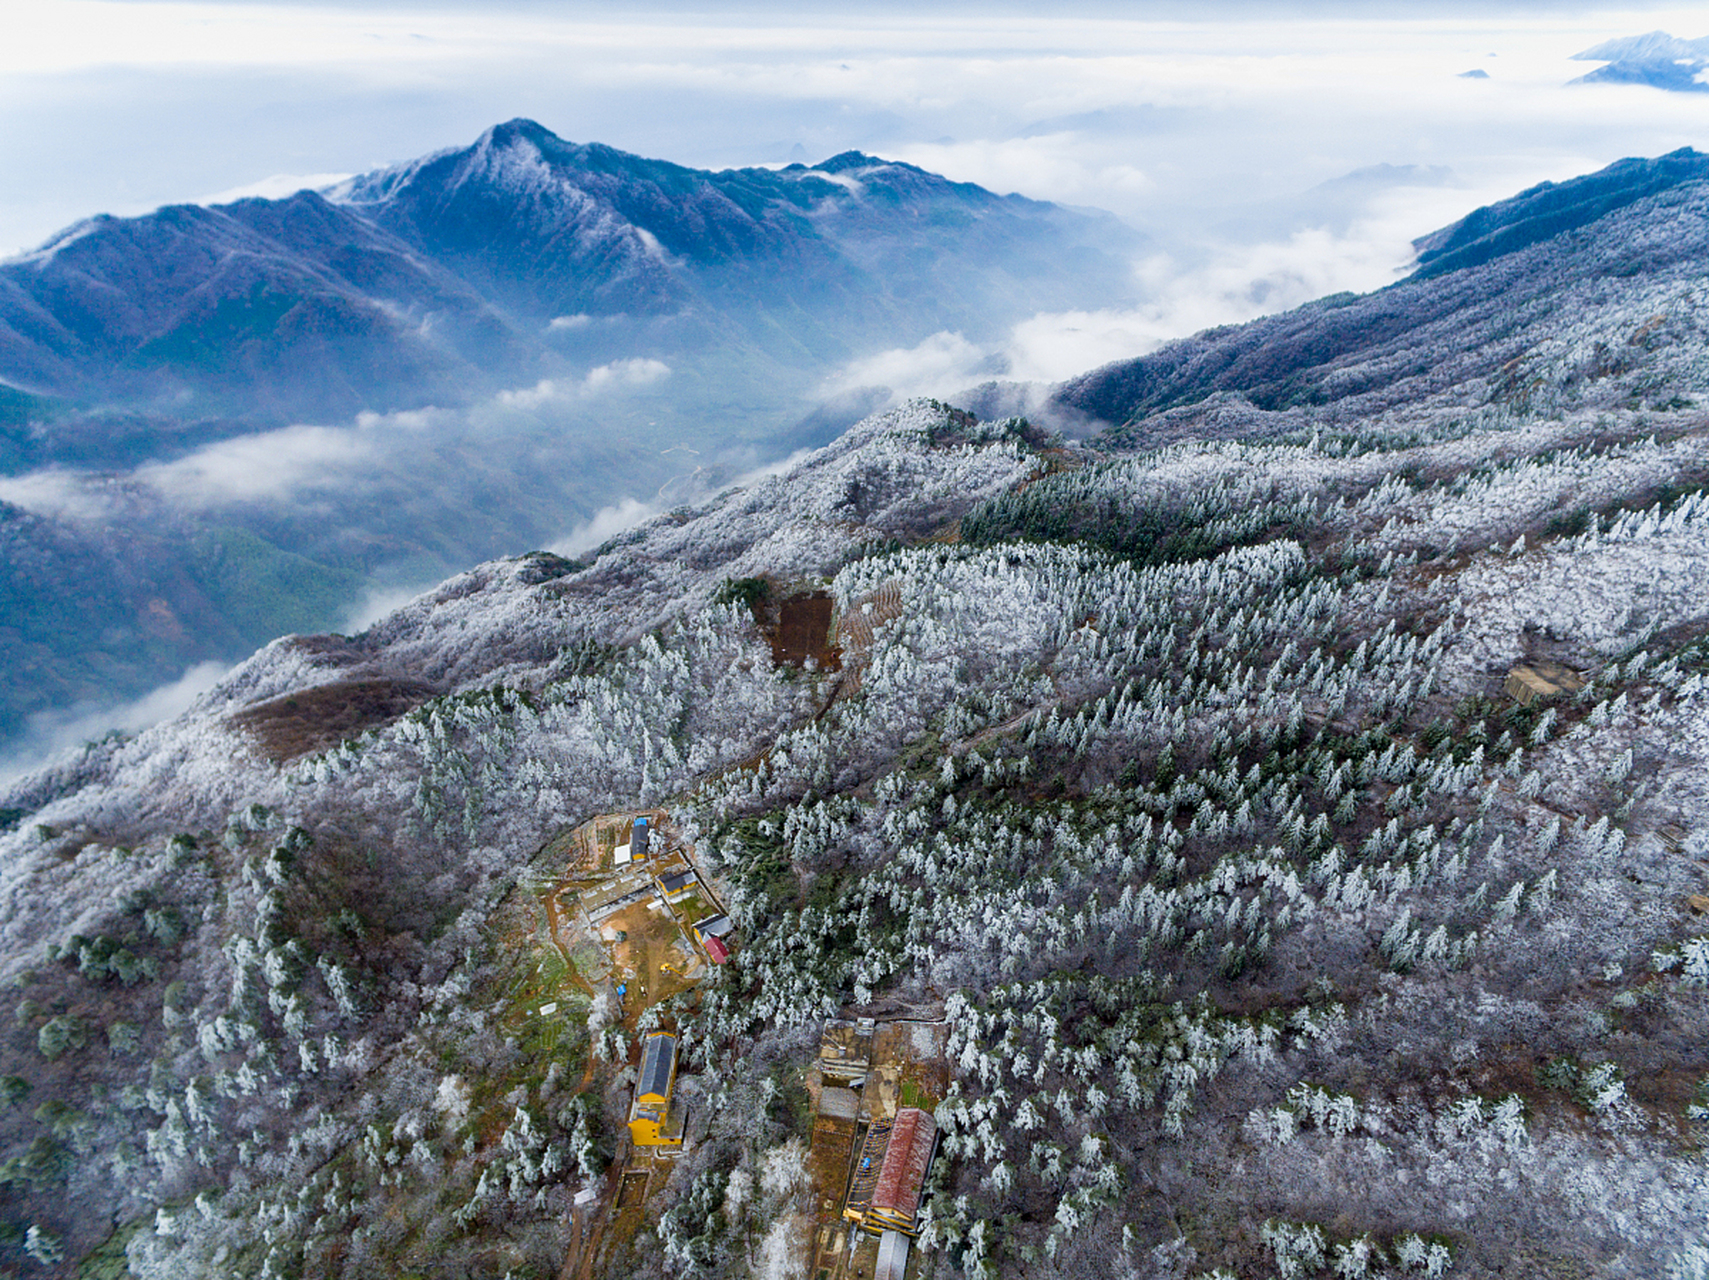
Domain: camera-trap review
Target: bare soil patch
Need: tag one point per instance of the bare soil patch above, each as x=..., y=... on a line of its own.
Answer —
x=645, y=940
x=633, y=1189
x=799, y=628
x=315, y=719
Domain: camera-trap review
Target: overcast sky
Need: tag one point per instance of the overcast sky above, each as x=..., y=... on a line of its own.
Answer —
x=122, y=105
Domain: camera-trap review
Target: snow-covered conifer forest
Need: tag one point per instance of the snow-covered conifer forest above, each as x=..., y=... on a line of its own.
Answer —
x=1273, y=936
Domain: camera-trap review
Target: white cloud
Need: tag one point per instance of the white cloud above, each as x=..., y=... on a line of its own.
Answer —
x=291, y=463
x=627, y=373
x=618, y=374
x=943, y=360
x=1240, y=283
x=1224, y=282
x=561, y=324
x=49, y=733
x=781, y=467
x=276, y=187
x=263, y=467
x=59, y=494
x=1157, y=118
x=379, y=602
x=603, y=525
x=608, y=522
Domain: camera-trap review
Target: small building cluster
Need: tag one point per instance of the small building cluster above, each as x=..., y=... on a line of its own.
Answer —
x=902, y=1177
x=643, y=869
x=679, y=886
x=884, y=1195
x=710, y=934
x=639, y=841
x=874, y=1139
x=889, y=1176
x=845, y=1051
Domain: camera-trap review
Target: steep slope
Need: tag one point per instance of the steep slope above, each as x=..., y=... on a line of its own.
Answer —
x=1551, y=209
x=1504, y=291
x=1264, y=932
x=560, y=228
x=268, y=308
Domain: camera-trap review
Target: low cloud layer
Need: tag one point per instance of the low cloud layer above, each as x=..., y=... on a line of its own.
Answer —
x=606, y=377
x=273, y=465
x=1356, y=243
x=943, y=359
x=605, y=524
x=50, y=734
x=292, y=464
x=121, y=106
x=275, y=187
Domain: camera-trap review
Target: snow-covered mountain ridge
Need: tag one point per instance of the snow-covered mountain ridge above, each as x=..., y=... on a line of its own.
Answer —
x=437, y=282
x=1511, y=302
x=222, y=424
x=1270, y=933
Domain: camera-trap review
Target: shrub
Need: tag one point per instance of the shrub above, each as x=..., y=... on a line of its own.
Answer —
x=59, y=1034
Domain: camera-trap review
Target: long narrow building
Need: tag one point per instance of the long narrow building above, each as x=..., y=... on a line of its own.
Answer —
x=869, y=1163
x=649, y=1116
x=896, y=1195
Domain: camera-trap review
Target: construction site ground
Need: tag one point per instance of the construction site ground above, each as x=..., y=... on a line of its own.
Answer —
x=799, y=628
x=649, y=956
x=606, y=928
x=909, y=1068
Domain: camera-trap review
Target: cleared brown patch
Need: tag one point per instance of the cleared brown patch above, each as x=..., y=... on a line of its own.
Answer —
x=645, y=941
x=321, y=717
x=633, y=1189
x=157, y=619
x=829, y=1156
x=799, y=628
x=1665, y=1092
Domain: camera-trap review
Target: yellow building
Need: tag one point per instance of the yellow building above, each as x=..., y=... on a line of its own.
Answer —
x=648, y=1117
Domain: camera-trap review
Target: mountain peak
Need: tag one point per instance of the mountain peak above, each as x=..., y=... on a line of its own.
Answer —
x=1658, y=60
x=520, y=127
x=845, y=161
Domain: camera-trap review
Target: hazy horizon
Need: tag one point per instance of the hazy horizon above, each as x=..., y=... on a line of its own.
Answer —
x=1271, y=157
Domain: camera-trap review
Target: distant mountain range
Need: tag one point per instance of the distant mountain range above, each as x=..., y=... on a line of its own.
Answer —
x=592, y=327
x=518, y=258
x=1657, y=59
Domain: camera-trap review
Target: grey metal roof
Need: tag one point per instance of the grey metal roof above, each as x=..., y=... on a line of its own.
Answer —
x=674, y=882
x=892, y=1256
x=656, y=1064
x=714, y=926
